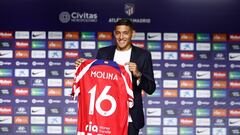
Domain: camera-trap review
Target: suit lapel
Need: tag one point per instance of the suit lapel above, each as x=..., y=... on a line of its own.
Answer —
x=133, y=57
x=111, y=53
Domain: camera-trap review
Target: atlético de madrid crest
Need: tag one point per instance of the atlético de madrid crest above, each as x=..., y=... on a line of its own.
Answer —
x=129, y=8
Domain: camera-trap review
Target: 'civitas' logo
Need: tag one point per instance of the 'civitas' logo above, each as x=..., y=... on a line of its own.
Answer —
x=66, y=17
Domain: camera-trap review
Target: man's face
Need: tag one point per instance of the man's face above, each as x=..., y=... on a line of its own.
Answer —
x=123, y=35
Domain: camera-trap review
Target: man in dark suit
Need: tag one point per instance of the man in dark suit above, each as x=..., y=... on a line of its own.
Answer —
x=140, y=64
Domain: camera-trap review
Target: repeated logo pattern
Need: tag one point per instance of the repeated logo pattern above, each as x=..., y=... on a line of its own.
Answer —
x=197, y=77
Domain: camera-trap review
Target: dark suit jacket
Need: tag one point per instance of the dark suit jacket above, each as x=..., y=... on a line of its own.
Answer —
x=144, y=63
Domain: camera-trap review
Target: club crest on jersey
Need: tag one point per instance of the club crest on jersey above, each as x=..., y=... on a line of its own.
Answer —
x=104, y=75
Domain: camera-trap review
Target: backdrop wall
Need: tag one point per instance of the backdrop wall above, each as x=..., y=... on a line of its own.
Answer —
x=195, y=47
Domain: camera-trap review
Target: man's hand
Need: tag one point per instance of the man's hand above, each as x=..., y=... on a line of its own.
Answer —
x=133, y=68
x=79, y=61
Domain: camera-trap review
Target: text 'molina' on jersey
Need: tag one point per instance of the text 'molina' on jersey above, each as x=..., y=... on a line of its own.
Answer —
x=104, y=91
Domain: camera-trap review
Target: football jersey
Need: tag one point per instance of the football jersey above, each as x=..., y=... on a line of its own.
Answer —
x=104, y=91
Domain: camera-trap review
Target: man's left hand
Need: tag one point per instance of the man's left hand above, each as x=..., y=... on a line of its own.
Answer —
x=133, y=68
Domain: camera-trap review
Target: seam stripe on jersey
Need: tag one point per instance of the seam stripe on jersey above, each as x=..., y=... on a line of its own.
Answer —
x=78, y=77
x=84, y=70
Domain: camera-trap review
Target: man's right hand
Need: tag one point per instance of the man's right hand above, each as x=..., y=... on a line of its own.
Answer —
x=79, y=61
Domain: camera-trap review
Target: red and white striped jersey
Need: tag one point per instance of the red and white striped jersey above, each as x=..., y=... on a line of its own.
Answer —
x=104, y=91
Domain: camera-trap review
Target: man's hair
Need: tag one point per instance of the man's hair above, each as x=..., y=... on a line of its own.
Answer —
x=124, y=21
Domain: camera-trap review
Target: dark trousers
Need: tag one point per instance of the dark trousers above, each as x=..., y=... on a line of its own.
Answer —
x=132, y=130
